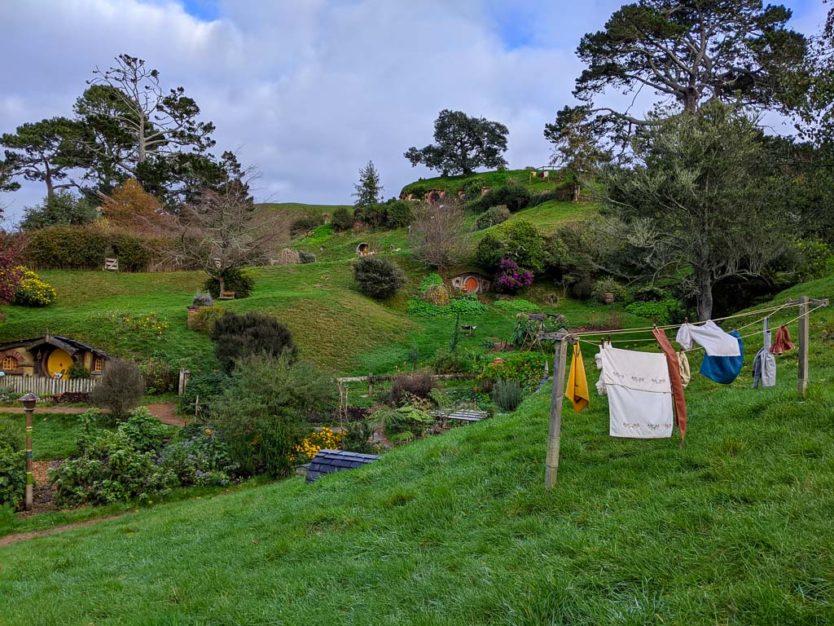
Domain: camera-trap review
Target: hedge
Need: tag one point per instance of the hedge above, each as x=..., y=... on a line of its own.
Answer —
x=85, y=248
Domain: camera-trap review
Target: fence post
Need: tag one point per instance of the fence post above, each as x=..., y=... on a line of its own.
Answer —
x=804, y=338
x=557, y=396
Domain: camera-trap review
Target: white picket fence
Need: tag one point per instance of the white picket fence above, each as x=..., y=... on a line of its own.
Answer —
x=42, y=386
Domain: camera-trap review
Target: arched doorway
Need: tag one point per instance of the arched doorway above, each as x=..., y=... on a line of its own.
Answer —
x=58, y=362
x=470, y=284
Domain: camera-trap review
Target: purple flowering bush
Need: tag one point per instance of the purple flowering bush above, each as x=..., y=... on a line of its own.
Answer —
x=511, y=278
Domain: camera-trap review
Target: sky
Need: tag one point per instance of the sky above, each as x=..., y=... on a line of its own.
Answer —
x=306, y=92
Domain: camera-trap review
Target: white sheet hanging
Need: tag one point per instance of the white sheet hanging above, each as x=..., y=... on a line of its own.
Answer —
x=639, y=393
x=708, y=335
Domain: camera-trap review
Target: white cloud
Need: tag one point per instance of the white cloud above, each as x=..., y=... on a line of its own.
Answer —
x=308, y=91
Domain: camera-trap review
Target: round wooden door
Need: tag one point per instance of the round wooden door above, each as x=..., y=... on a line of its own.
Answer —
x=470, y=285
x=58, y=362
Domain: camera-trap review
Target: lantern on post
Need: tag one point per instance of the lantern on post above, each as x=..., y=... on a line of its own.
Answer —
x=29, y=401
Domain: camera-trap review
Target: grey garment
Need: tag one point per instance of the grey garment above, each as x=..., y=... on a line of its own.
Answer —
x=764, y=365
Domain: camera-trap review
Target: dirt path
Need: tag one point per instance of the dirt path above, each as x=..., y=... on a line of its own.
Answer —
x=166, y=412
x=34, y=534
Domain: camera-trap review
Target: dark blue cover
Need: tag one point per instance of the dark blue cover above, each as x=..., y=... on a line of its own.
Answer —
x=724, y=369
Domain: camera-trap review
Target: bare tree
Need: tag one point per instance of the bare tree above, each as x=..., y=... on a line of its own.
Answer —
x=437, y=234
x=223, y=230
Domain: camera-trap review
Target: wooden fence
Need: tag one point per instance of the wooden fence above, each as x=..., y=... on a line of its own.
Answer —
x=42, y=386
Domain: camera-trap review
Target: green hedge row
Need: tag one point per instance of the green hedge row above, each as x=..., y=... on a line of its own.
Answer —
x=85, y=248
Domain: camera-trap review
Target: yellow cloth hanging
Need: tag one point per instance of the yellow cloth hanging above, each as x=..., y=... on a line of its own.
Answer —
x=577, y=391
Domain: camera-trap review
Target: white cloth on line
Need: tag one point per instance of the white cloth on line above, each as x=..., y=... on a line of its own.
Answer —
x=639, y=393
x=708, y=335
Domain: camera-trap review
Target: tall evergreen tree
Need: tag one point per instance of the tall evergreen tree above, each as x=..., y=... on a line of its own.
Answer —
x=368, y=189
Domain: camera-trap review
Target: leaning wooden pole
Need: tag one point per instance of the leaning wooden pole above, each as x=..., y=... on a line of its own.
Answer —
x=557, y=396
x=804, y=340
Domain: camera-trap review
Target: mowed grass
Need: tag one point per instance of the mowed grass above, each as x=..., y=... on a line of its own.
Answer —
x=54, y=436
x=732, y=528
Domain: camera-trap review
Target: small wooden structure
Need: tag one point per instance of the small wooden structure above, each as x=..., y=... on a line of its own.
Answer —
x=329, y=461
x=49, y=356
x=111, y=265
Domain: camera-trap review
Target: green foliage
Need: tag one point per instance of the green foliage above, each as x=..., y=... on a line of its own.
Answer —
x=205, y=318
x=306, y=257
x=458, y=362
x=121, y=388
x=519, y=241
x=513, y=196
x=507, y=395
x=239, y=336
x=368, y=190
x=85, y=248
x=204, y=386
x=405, y=419
x=666, y=311
x=492, y=216
x=472, y=189
x=199, y=457
x=342, y=219
x=805, y=259
x=304, y=225
x=149, y=326
x=378, y=277
x=64, y=209
x=358, y=437
x=430, y=280
x=264, y=411
x=604, y=286
x=462, y=144
x=32, y=291
x=12, y=468
x=201, y=299
x=115, y=466
x=391, y=214
x=406, y=386
x=525, y=367
x=516, y=305
x=467, y=304
x=234, y=279
x=76, y=370
x=160, y=375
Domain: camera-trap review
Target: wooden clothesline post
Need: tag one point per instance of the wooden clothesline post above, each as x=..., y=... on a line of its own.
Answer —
x=804, y=339
x=554, y=436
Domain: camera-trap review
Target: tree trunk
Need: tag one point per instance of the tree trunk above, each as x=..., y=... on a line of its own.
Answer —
x=704, y=300
x=576, y=190
x=222, y=284
x=50, y=187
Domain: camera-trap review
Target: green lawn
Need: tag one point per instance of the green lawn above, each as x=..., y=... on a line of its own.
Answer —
x=733, y=528
x=452, y=184
x=53, y=436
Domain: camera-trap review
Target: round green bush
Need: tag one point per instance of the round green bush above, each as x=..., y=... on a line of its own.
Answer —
x=342, y=219
x=235, y=280
x=491, y=217
x=377, y=277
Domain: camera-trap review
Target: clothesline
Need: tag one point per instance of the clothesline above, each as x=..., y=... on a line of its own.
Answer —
x=625, y=331
x=696, y=349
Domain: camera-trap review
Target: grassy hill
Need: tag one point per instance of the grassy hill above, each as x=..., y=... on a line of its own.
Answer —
x=732, y=528
x=453, y=184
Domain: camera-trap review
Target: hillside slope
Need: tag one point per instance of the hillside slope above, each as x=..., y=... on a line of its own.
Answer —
x=733, y=528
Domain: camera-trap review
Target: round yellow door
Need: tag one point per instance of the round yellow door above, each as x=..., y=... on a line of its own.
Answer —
x=58, y=362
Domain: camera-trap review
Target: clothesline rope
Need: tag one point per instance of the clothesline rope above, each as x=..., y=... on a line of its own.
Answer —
x=624, y=331
x=697, y=348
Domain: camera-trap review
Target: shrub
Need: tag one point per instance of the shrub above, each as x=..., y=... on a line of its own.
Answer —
x=32, y=291
x=511, y=278
x=322, y=439
x=514, y=196
x=519, y=241
x=201, y=299
x=239, y=336
x=604, y=286
x=12, y=468
x=205, y=319
x=84, y=248
x=418, y=384
x=235, y=280
x=430, y=280
x=304, y=224
x=398, y=213
x=664, y=311
x=199, y=457
x=206, y=386
x=306, y=257
x=525, y=367
x=405, y=419
x=446, y=362
x=472, y=189
x=265, y=409
x=121, y=388
x=495, y=215
x=507, y=394
x=145, y=432
x=358, y=437
x=342, y=219
x=160, y=376
x=377, y=277
x=76, y=370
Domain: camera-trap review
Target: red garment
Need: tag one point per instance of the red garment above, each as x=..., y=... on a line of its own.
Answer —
x=674, y=378
x=782, y=343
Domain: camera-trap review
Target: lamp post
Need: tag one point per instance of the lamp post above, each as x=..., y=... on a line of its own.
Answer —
x=29, y=401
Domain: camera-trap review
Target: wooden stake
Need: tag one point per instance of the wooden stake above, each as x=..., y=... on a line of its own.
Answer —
x=555, y=435
x=804, y=340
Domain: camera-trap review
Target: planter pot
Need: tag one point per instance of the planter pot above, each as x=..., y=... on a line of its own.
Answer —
x=192, y=312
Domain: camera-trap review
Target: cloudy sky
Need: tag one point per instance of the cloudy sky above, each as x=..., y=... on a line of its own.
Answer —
x=307, y=91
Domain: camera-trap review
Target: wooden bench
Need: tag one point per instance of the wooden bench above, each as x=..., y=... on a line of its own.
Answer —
x=461, y=415
x=227, y=295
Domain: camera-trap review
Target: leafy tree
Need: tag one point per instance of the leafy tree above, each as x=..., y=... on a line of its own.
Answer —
x=44, y=151
x=368, y=190
x=11, y=272
x=121, y=388
x=700, y=200
x=342, y=219
x=239, y=336
x=574, y=147
x=131, y=208
x=65, y=209
x=462, y=143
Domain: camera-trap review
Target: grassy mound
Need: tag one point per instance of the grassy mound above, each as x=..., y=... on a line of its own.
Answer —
x=735, y=527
